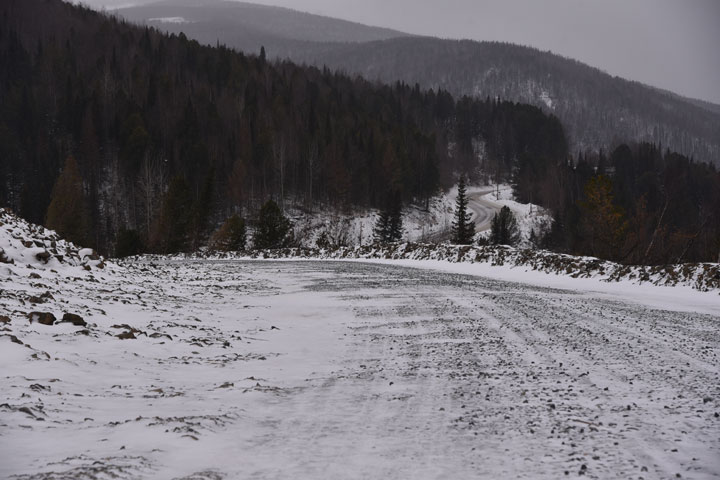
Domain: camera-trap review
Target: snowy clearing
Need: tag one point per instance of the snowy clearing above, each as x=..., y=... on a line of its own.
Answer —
x=281, y=369
x=433, y=225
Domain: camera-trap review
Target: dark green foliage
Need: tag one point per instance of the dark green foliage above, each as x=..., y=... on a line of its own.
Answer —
x=649, y=207
x=230, y=237
x=272, y=228
x=388, y=226
x=603, y=226
x=171, y=235
x=67, y=213
x=128, y=243
x=463, y=227
x=504, y=229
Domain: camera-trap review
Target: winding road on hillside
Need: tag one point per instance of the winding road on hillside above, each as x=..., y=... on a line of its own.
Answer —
x=483, y=211
x=483, y=208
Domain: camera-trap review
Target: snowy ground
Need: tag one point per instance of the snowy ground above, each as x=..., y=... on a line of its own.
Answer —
x=276, y=369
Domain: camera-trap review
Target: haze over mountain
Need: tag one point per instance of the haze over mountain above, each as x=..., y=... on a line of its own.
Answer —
x=252, y=25
x=597, y=110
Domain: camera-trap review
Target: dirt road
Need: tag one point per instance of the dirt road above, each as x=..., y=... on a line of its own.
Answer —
x=325, y=370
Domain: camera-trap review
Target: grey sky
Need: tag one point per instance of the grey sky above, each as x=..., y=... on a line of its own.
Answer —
x=671, y=44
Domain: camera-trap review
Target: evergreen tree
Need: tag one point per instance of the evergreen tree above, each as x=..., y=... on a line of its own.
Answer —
x=388, y=226
x=463, y=227
x=202, y=208
x=67, y=214
x=603, y=224
x=231, y=236
x=128, y=243
x=171, y=235
x=504, y=228
x=273, y=229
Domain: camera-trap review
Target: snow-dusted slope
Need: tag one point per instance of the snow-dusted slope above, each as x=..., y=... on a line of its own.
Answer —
x=24, y=246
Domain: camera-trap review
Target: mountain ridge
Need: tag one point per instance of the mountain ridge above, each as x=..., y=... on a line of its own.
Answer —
x=598, y=110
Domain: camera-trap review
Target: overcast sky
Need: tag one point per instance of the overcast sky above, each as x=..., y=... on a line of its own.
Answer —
x=672, y=44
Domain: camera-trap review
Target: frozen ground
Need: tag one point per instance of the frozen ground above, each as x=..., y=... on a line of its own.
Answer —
x=314, y=370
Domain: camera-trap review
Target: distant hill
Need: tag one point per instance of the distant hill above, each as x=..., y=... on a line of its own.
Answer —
x=247, y=26
x=597, y=109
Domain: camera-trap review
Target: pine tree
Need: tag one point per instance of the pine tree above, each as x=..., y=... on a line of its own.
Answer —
x=171, y=234
x=504, y=228
x=463, y=227
x=67, y=213
x=273, y=229
x=128, y=243
x=603, y=224
x=202, y=208
x=231, y=236
x=389, y=225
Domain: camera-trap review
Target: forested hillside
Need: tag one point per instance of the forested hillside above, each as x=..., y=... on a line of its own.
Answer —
x=639, y=205
x=597, y=110
x=157, y=134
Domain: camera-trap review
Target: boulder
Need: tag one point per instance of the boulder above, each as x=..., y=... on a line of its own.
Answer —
x=45, y=318
x=43, y=256
x=76, y=320
x=4, y=258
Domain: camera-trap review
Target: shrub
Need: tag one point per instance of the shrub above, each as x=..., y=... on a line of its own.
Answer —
x=230, y=237
x=272, y=229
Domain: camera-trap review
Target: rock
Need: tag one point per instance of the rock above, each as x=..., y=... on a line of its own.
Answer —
x=4, y=319
x=43, y=256
x=126, y=336
x=76, y=320
x=44, y=318
x=13, y=339
x=34, y=275
x=4, y=258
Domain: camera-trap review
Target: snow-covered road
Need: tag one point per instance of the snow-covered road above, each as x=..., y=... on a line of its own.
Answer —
x=483, y=209
x=274, y=370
